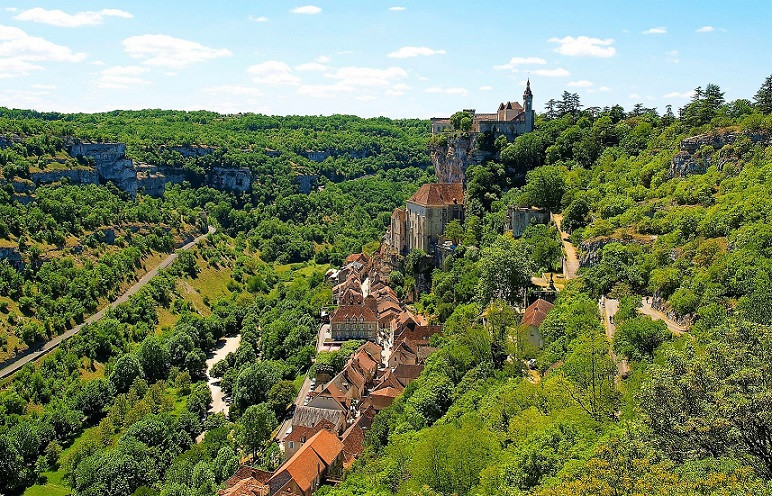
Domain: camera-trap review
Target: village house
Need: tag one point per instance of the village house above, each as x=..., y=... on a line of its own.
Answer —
x=354, y=322
x=319, y=459
x=532, y=319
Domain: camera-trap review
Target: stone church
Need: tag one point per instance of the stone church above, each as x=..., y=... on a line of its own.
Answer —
x=422, y=222
x=511, y=120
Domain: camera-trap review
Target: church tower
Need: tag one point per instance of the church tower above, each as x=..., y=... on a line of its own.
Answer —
x=528, y=107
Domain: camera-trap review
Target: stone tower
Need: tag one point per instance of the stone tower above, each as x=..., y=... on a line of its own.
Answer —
x=528, y=106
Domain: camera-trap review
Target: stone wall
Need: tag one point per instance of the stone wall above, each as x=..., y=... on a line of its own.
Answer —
x=518, y=219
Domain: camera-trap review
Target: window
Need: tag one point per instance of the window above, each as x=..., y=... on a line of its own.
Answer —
x=292, y=445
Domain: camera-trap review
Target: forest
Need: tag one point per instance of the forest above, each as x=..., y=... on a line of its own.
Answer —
x=122, y=407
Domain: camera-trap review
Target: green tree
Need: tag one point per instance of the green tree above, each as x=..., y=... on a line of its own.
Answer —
x=505, y=270
x=763, y=97
x=255, y=427
x=590, y=374
x=125, y=371
x=153, y=358
x=454, y=231
x=637, y=338
x=544, y=188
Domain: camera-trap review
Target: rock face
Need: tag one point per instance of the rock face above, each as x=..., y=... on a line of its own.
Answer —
x=697, y=153
x=112, y=165
x=307, y=182
x=74, y=176
x=589, y=250
x=12, y=256
x=453, y=158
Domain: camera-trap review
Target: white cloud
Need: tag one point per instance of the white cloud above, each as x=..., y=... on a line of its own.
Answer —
x=258, y=19
x=657, y=30
x=448, y=91
x=677, y=94
x=412, y=51
x=397, y=9
x=65, y=20
x=673, y=56
x=10, y=68
x=322, y=59
x=273, y=72
x=584, y=46
x=311, y=67
x=11, y=9
x=307, y=9
x=167, y=51
x=706, y=29
x=515, y=62
x=228, y=89
x=580, y=84
x=486, y=88
x=558, y=72
x=18, y=50
x=397, y=90
x=322, y=90
x=121, y=77
x=604, y=88
x=367, y=77
x=44, y=86
x=365, y=98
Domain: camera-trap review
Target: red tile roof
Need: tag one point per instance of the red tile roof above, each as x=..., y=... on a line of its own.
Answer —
x=536, y=313
x=353, y=312
x=439, y=194
x=311, y=459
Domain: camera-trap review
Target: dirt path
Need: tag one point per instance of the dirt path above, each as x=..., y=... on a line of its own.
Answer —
x=571, y=261
x=608, y=308
x=47, y=347
x=674, y=327
x=225, y=346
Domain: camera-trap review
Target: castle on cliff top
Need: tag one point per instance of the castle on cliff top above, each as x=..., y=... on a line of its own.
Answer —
x=511, y=120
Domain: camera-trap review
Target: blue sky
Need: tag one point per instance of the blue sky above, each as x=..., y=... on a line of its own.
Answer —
x=397, y=59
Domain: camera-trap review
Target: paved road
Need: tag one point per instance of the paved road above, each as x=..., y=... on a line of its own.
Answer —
x=608, y=308
x=674, y=327
x=55, y=342
x=571, y=264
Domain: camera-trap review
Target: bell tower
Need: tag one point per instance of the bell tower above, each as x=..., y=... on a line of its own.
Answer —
x=528, y=106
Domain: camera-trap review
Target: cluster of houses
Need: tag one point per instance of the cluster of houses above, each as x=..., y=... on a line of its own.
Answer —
x=328, y=432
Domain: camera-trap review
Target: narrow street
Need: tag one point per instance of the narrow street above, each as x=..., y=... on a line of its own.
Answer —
x=571, y=261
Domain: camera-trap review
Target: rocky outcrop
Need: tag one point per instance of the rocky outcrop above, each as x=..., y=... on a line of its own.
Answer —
x=12, y=256
x=590, y=250
x=454, y=154
x=661, y=305
x=189, y=151
x=112, y=165
x=73, y=176
x=307, y=182
x=698, y=153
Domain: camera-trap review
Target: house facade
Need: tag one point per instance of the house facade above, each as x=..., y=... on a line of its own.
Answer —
x=354, y=322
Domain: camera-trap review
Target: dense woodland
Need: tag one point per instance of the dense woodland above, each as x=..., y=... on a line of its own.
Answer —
x=117, y=410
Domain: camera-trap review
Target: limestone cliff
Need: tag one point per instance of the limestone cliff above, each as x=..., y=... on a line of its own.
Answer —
x=698, y=153
x=452, y=155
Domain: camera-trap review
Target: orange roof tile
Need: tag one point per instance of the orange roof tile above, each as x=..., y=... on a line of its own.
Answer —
x=536, y=313
x=439, y=194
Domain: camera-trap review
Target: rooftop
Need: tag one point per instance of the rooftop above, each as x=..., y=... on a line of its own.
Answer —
x=439, y=194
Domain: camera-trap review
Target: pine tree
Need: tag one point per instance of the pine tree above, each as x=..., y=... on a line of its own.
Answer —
x=763, y=97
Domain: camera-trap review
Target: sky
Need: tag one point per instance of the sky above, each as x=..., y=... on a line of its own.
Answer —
x=375, y=58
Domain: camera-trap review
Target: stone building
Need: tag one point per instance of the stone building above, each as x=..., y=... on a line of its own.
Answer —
x=511, y=119
x=422, y=222
x=354, y=322
x=518, y=219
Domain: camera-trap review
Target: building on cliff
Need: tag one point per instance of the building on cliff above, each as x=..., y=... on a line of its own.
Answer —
x=422, y=222
x=511, y=120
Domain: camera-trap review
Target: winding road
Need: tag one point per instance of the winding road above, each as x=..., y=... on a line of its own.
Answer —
x=48, y=346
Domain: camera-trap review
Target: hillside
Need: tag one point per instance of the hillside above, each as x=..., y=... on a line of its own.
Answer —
x=671, y=220
x=647, y=374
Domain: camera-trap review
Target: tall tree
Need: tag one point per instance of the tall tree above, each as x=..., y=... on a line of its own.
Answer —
x=505, y=270
x=255, y=427
x=763, y=97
